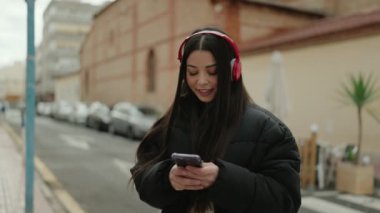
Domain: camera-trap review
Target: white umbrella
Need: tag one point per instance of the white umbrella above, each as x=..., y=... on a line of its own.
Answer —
x=276, y=93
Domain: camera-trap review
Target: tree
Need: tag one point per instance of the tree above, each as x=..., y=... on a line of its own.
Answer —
x=360, y=91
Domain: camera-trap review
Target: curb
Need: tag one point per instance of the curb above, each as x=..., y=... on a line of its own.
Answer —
x=65, y=199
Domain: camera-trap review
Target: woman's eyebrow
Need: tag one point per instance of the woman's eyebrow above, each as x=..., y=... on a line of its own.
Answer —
x=207, y=66
x=189, y=65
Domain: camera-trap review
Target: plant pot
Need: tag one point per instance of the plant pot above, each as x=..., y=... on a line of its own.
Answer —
x=355, y=179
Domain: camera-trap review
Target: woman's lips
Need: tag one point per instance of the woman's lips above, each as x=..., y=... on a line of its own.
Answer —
x=205, y=92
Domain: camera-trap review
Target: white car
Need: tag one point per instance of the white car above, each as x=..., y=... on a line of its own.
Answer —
x=98, y=116
x=132, y=120
x=62, y=110
x=79, y=114
x=44, y=108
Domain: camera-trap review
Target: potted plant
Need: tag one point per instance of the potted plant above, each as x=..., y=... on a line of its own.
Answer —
x=355, y=177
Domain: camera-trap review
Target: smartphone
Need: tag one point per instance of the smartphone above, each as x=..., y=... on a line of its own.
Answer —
x=183, y=160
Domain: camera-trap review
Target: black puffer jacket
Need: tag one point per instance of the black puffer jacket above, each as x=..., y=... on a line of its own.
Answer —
x=259, y=172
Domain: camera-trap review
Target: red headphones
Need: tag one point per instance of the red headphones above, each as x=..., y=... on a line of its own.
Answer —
x=235, y=62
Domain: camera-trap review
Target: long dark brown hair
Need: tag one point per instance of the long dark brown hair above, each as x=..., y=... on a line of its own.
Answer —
x=212, y=124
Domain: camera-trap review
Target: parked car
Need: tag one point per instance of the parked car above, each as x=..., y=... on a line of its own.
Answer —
x=132, y=120
x=44, y=108
x=98, y=116
x=61, y=110
x=79, y=114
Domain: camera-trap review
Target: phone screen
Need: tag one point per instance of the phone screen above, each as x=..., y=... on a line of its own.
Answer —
x=183, y=160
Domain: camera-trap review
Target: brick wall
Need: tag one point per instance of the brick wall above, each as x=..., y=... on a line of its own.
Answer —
x=114, y=55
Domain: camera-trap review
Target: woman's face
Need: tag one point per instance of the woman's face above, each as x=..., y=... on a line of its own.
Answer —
x=201, y=75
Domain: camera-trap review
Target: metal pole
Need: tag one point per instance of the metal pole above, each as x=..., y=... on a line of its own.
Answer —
x=30, y=110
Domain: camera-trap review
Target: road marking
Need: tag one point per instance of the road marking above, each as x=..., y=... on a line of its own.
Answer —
x=68, y=201
x=75, y=141
x=370, y=202
x=323, y=206
x=124, y=166
x=86, y=138
x=325, y=193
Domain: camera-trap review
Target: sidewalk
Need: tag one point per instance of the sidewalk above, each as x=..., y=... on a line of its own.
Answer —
x=331, y=201
x=12, y=180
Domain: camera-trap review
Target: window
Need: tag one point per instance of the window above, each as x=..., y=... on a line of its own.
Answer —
x=151, y=71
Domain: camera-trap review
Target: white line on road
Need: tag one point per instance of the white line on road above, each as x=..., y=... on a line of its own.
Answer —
x=76, y=142
x=86, y=138
x=370, y=202
x=124, y=166
x=323, y=206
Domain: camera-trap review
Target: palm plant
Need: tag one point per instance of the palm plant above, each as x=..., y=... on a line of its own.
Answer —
x=360, y=92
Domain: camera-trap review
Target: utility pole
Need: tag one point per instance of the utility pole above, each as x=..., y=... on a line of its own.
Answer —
x=30, y=109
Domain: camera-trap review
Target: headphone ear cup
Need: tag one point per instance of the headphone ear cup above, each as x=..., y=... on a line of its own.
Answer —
x=232, y=63
x=235, y=69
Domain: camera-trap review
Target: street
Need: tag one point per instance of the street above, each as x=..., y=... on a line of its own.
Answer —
x=334, y=202
x=94, y=168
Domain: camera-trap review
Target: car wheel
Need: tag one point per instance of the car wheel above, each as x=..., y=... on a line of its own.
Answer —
x=88, y=122
x=96, y=125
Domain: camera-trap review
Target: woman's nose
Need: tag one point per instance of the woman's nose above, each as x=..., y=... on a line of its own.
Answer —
x=203, y=79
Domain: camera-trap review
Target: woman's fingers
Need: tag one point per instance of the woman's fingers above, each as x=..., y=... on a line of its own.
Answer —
x=193, y=178
x=207, y=174
x=180, y=181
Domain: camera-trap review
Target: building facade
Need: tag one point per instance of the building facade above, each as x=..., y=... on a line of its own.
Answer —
x=317, y=60
x=130, y=54
x=12, y=83
x=67, y=87
x=65, y=26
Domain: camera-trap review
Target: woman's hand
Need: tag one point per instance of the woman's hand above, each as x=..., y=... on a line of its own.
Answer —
x=206, y=174
x=193, y=178
x=180, y=179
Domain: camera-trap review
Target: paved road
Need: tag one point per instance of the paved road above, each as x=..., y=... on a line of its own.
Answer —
x=94, y=168
x=334, y=202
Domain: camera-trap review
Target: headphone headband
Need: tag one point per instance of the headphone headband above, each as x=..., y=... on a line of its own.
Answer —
x=212, y=32
x=235, y=63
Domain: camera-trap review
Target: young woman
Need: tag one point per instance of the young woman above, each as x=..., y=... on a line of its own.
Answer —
x=250, y=158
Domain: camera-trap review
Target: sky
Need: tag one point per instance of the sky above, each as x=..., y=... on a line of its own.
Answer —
x=13, y=20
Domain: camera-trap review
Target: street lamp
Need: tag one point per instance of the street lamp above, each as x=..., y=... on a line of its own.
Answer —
x=30, y=109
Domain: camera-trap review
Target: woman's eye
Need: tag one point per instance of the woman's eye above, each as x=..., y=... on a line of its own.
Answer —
x=212, y=71
x=192, y=72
